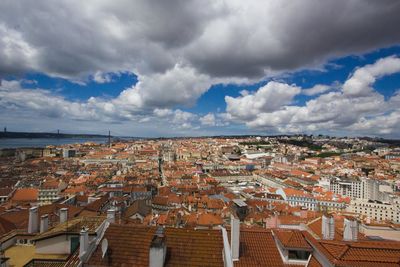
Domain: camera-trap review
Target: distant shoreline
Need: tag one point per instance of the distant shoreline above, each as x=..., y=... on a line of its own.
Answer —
x=28, y=135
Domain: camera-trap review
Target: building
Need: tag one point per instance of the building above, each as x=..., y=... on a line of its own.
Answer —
x=50, y=190
x=376, y=210
x=358, y=188
x=298, y=198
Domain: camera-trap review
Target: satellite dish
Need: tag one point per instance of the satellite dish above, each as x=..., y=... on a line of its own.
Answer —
x=104, y=247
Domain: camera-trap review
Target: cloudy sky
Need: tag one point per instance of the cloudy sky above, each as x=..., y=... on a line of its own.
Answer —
x=183, y=67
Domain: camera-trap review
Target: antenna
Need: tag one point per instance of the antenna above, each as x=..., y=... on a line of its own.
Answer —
x=104, y=247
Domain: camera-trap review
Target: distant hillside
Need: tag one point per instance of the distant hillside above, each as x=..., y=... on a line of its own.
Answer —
x=48, y=135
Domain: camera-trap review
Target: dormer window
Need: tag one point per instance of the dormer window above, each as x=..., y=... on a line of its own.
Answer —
x=298, y=255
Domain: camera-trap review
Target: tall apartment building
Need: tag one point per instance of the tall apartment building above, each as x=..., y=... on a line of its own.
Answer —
x=357, y=188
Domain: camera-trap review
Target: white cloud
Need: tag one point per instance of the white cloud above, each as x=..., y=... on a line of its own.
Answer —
x=315, y=90
x=162, y=112
x=16, y=53
x=181, y=117
x=357, y=107
x=181, y=85
x=208, y=120
x=268, y=98
x=362, y=79
x=100, y=77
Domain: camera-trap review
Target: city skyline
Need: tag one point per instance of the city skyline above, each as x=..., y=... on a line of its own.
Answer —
x=153, y=69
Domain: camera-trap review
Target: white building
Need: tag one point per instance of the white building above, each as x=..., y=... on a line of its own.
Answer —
x=376, y=210
x=359, y=188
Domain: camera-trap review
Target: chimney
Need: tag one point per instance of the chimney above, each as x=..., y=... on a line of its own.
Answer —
x=111, y=215
x=158, y=249
x=328, y=227
x=33, y=225
x=83, y=242
x=44, y=223
x=235, y=237
x=238, y=214
x=63, y=215
x=350, y=231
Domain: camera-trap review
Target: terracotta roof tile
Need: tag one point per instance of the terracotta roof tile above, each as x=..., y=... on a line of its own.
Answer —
x=291, y=238
x=361, y=253
x=25, y=195
x=258, y=248
x=129, y=246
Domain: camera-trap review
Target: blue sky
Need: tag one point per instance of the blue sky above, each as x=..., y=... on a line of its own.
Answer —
x=232, y=68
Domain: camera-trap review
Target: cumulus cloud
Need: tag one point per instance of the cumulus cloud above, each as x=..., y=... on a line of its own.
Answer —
x=362, y=79
x=268, y=98
x=179, y=85
x=22, y=102
x=208, y=120
x=356, y=107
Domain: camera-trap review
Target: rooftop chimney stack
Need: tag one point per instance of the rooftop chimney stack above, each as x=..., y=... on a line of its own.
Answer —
x=235, y=237
x=44, y=223
x=33, y=224
x=328, y=227
x=158, y=249
x=63, y=215
x=111, y=215
x=84, y=242
x=350, y=231
x=238, y=214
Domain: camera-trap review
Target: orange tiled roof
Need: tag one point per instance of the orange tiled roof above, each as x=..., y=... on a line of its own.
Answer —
x=25, y=195
x=257, y=248
x=291, y=238
x=20, y=218
x=361, y=253
x=50, y=183
x=208, y=219
x=6, y=226
x=314, y=262
x=316, y=227
x=129, y=246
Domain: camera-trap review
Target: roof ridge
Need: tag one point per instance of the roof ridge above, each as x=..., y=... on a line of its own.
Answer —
x=345, y=250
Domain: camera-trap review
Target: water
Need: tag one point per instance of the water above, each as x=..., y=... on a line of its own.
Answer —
x=42, y=142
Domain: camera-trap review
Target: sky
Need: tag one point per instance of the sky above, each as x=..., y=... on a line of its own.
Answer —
x=152, y=68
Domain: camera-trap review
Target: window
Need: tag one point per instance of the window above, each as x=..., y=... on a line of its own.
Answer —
x=298, y=255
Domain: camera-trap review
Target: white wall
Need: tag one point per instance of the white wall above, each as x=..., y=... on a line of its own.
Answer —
x=55, y=245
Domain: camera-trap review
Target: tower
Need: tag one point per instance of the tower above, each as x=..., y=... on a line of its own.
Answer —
x=109, y=139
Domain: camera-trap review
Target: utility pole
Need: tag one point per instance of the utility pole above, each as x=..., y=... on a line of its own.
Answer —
x=5, y=129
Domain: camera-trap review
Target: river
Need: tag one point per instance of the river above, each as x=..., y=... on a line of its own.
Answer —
x=42, y=142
